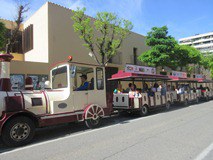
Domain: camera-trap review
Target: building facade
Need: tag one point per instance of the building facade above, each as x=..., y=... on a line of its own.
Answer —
x=52, y=39
x=202, y=42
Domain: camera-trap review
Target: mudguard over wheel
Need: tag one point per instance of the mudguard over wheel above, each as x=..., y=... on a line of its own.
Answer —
x=18, y=131
x=144, y=110
x=93, y=116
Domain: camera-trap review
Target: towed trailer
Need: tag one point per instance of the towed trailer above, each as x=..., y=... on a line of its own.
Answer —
x=206, y=92
x=126, y=102
x=187, y=96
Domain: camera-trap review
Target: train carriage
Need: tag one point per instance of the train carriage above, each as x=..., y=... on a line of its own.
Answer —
x=144, y=103
x=190, y=92
x=206, y=88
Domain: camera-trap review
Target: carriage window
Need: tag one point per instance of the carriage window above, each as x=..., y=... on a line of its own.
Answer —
x=83, y=78
x=59, y=77
x=99, y=78
x=72, y=71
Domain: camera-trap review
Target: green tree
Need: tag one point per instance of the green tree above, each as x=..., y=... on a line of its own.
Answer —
x=2, y=35
x=184, y=55
x=103, y=35
x=207, y=62
x=162, y=46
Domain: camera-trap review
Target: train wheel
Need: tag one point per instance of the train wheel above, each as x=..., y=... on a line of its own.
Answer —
x=144, y=111
x=168, y=105
x=90, y=123
x=93, y=116
x=18, y=131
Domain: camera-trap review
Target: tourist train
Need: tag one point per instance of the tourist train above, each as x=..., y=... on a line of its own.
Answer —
x=63, y=101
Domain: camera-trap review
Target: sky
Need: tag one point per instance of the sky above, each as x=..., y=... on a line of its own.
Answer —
x=183, y=17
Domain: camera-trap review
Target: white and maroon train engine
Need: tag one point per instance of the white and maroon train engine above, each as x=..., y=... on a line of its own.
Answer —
x=61, y=102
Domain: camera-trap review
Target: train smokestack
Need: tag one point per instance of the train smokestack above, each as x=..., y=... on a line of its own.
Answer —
x=5, y=84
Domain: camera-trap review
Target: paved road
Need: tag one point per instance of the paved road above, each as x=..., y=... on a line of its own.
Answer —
x=181, y=134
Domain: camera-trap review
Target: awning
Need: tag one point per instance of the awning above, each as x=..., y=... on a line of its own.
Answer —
x=179, y=79
x=202, y=80
x=126, y=76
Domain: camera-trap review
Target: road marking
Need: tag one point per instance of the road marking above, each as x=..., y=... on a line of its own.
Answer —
x=75, y=135
x=205, y=152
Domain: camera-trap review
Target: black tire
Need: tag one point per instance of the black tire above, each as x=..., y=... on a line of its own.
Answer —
x=18, y=131
x=197, y=100
x=186, y=102
x=168, y=105
x=144, y=111
x=90, y=123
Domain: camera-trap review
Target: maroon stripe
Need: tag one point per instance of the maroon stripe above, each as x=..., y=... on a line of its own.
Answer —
x=59, y=113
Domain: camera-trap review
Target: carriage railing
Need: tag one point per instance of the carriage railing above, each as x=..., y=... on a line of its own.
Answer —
x=127, y=101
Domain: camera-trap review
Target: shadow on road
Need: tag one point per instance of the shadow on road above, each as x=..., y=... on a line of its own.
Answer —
x=59, y=131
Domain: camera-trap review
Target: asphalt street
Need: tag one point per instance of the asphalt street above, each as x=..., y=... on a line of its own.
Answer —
x=184, y=133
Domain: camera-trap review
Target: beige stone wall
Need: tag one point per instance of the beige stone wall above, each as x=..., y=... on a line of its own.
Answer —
x=18, y=57
x=40, y=50
x=63, y=41
x=10, y=24
x=20, y=67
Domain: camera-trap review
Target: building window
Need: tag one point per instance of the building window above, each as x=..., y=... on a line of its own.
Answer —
x=28, y=39
x=135, y=56
x=17, y=82
x=38, y=80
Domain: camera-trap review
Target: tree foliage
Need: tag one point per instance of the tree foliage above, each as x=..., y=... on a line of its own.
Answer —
x=2, y=35
x=165, y=51
x=162, y=46
x=207, y=62
x=103, y=35
x=185, y=55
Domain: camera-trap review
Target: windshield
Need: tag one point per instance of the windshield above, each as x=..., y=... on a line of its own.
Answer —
x=59, y=77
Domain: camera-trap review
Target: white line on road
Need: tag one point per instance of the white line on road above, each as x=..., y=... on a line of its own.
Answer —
x=205, y=152
x=75, y=135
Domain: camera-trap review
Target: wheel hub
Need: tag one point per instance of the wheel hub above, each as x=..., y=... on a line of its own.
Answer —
x=20, y=131
x=95, y=116
x=144, y=110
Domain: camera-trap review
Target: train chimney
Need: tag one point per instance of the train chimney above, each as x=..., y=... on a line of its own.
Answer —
x=5, y=84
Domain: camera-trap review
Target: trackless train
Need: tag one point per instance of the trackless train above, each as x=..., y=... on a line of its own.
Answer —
x=62, y=100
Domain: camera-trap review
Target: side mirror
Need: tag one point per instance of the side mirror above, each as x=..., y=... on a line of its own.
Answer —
x=47, y=85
